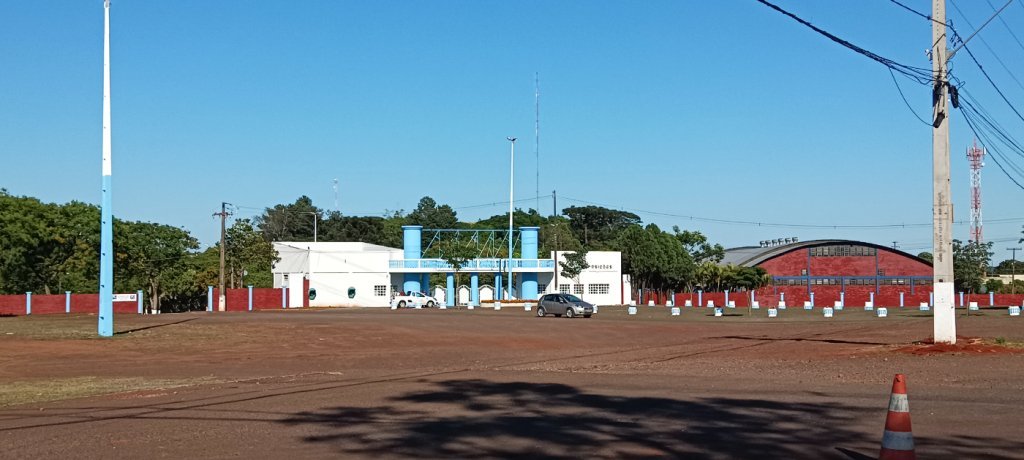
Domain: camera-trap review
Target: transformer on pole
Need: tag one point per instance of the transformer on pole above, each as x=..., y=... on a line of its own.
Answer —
x=976, y=157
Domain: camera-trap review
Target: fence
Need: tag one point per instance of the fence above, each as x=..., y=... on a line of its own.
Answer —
x=244, y=299
x=827, y=297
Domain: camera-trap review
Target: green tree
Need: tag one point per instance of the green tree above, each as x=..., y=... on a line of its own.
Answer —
x=597, y=227
x=457, y=254
x=696, y=244
x=969, y=263
x=926, y=256
x=147, y=255
x=555, y=235
x=1009, y=266
x=430, y=215
x=248, y=251
x=290, y=222
x=574, y=265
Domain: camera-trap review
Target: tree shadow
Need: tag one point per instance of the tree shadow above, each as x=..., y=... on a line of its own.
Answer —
x=484, y=419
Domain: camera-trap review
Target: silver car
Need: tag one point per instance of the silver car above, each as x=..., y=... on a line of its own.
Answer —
x=564, y=304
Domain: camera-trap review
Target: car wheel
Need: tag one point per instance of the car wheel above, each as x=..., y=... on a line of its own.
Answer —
x=401, y=304
x=541, y=312
x=430, y=304
x=569, y=313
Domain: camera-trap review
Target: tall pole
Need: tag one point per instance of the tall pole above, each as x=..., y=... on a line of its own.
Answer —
x=315, y=217
x=106, y=301
x=222, y=298
x=336, y=195
x=944, y=321
x=1013, y=270
x=536, y=134
x=554, y=209
x=511, y=200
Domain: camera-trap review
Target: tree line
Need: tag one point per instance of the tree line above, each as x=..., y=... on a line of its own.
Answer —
x=50, y=248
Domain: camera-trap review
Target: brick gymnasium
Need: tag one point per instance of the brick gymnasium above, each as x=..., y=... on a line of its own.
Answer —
x=832, y=269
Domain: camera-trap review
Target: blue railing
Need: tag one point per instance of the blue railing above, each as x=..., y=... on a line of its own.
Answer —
x=474, y=264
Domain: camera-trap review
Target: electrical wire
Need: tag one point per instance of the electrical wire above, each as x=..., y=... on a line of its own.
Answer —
x=911, y=109
x=1008, y=28
x=985, y=43
x=773, y=224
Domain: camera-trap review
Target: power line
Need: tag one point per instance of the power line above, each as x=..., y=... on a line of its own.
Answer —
x=911, y=109
x=928, y=17
x=1008, y=28
x=983, y=42
x=774, y=224
x=919, y=74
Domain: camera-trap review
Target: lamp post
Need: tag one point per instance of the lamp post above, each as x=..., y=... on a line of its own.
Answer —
x=315, y=217
x=511, y=195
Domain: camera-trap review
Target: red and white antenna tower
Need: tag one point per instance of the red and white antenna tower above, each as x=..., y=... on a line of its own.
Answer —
x=976, y=157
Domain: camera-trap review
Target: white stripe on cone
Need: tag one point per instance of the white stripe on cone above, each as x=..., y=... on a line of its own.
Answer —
x=898, y=403
x=898, y=440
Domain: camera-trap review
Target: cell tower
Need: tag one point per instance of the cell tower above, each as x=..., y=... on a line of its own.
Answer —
x=976, y=157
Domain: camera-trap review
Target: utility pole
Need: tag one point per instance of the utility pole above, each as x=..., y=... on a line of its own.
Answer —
x=222, y=298
x=1013, y=270
x=536, y=134
x=511, y=202
x=944, y=320
x=105, y=328
x=554, y=198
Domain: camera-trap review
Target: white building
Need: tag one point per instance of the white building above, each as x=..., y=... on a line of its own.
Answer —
x=368, y=275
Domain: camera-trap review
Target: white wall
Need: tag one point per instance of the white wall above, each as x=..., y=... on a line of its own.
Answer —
x=335, y=267
x=605, y=269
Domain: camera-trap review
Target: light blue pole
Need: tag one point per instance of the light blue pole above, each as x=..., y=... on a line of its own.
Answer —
x=528, y=251
x=931, y=299
x=752, y=300
x=67, y=301
x=871, y=297
x=991, y=299
x=105, y=316
x=140, y=301
x=812, y=298
x=498, y=286
x=700, y=298
x=28, y=303
x=449, y=290
x=901, y=300
x=284, y=297
x=474, y=289
x=726, y=298
x=842, y=298
x=961, y=298
x=782, y=296
x=250, y=297
x=511, y=202
x=209, y=298
x=412, y=245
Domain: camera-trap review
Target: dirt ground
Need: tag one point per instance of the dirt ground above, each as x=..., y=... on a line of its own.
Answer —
x=369, y=383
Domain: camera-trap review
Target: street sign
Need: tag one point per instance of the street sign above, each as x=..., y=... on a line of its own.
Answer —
x=126, y=297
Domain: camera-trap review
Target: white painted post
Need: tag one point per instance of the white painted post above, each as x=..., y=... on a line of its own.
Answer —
x=28, y=303
x=67, y=301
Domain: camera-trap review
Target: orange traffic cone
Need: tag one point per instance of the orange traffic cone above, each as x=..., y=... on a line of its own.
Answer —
x=898, y=440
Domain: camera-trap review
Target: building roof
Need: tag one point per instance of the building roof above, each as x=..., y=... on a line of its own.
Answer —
x=750, y=256
x=330, y=246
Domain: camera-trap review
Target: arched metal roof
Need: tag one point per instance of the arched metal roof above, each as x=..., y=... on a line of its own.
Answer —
x=751, y=256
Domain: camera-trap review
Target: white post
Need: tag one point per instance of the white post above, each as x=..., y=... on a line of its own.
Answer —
x=511, y=195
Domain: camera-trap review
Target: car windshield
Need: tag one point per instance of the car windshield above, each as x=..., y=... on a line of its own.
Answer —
x=572, y=298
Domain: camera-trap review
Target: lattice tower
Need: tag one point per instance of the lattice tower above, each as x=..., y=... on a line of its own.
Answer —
x=976, y=157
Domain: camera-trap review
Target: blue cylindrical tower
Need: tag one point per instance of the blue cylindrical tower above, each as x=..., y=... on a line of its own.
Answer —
x=412, y=237
x=529, y=245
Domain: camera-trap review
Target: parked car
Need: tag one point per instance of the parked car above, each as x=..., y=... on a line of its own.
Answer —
x=564, y=304
x=410, y=299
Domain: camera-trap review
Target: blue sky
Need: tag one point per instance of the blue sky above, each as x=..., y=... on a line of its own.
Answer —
x=721, y=109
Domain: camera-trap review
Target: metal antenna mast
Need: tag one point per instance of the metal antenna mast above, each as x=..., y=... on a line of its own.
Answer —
x=976, y=157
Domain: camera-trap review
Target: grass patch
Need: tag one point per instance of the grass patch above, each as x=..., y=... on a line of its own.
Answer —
x=1004, y=342
x=43, y=390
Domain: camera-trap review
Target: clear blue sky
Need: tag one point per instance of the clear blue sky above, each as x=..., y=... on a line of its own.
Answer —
x=721, y=109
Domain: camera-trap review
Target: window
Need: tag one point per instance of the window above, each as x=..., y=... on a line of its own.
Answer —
x=597, y=289
x=541, y=287
x=380, y=290
x=563, y=288
x=577, y=289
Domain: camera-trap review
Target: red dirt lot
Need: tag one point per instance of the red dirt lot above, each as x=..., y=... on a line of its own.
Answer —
x=369, y=383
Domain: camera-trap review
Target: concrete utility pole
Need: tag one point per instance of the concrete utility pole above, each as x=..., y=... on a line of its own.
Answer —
x=511, y=201
x=106, y=301
x=944, y=321
x=1013, y=269
x=222, y=298
x=315, y=217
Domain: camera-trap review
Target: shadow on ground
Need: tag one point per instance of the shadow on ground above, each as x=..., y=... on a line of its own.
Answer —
x=484, y=419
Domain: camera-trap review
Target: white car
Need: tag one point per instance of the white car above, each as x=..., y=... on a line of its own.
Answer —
x=413, y=299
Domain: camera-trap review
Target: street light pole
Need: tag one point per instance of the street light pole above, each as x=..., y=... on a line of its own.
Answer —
x=511, y=189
